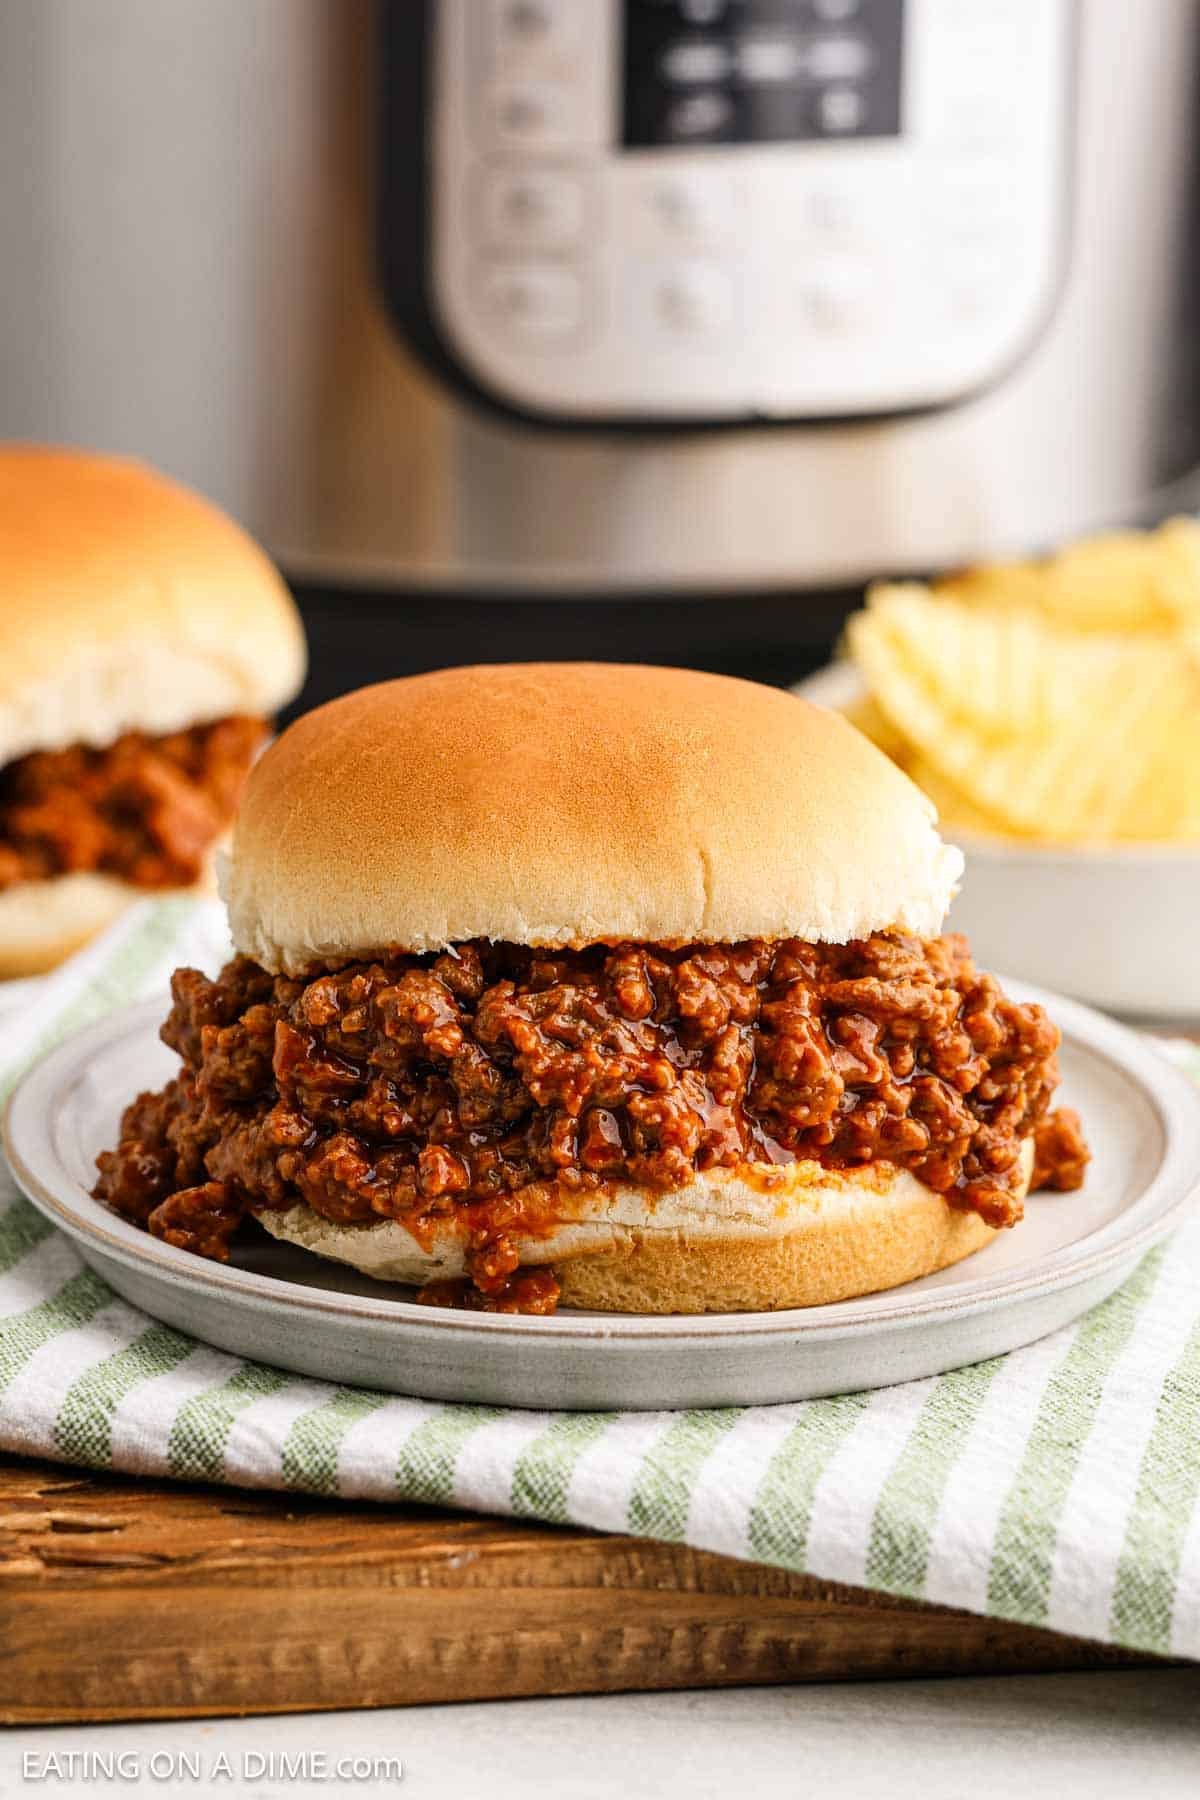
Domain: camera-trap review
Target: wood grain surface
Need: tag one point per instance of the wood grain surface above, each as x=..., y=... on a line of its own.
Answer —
x=124, y=1599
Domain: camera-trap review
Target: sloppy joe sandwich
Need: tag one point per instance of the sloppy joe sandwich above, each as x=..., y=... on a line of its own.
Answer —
x=144, y=641
x=612, y=986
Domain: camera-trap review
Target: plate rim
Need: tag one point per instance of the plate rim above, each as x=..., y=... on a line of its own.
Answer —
x=1173, y=1097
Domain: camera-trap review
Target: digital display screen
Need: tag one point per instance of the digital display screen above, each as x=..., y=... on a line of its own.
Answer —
x=761, y=71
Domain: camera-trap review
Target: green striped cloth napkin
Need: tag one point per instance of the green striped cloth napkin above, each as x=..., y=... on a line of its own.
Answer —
x=1059, y=1485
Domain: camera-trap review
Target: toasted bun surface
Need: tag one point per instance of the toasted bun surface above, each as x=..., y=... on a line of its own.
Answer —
x=574, y=803
x=129, y=604
x=43, y=922
x=729, y=1242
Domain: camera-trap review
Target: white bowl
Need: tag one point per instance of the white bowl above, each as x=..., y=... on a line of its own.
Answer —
x=1117, y=926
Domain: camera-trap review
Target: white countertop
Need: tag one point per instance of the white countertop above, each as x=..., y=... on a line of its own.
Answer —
x=1076, y=1737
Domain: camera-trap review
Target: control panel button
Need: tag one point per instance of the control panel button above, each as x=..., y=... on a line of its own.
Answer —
x=837, y=298
x=532, y=209
x=840, y=58
x=672, y=207
x=692, y=61
x=535, y=302
x=770, y=57
x=704, y=12
x=528, y=115
x=697, y=118
x=836, y=12
x=841, y=109
x=677, y=209
x=535, y=29
x=688, y=301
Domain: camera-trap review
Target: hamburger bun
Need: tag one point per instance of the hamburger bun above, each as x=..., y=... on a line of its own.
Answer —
x=130, y=604
x=728, y=1242
x=574, y=803
x=41, y=922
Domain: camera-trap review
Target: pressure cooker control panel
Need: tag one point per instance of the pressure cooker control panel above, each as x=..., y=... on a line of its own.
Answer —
x=728, y=210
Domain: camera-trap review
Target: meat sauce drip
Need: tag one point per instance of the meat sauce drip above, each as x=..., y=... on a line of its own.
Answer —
x=529, y=1291
x=146, y=809
x=455, y=1087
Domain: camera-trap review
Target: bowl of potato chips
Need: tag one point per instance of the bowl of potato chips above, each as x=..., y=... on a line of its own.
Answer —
x=1051, y=710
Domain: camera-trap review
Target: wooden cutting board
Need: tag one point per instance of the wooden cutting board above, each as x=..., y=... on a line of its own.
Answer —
x=124, y=1599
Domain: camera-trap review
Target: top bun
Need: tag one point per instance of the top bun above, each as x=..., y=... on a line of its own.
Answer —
x=575, y=803
x=129, y=604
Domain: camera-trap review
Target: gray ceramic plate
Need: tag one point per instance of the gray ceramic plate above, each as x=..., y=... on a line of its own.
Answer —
x=284, y=1306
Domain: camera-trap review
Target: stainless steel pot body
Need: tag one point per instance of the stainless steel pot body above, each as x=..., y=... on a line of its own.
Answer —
x=189, y=225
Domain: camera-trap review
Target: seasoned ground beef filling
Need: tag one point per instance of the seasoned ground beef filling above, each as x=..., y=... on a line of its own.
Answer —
x=422, y=1088
x=147, y=809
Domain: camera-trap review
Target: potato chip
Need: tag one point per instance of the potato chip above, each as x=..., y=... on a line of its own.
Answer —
x=956, y=810
x=1127, y=581
x=1178, y=569
x=996, y=584
x=987, y=668
x=1050, y=733
x=1124, y=581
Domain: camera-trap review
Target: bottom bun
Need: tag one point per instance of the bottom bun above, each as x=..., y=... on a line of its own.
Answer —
x=733, y=1240
x=43, y=922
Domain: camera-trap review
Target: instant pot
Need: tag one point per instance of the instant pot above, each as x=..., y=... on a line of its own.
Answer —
x=735, y=301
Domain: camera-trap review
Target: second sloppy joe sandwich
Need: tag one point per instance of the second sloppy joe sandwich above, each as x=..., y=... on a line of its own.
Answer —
x=145, y=641
x=617, y=986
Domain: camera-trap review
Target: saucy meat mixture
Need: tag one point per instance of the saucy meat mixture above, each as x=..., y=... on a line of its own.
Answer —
x=147, y=809
x=427, y=1088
